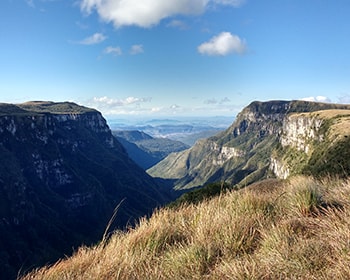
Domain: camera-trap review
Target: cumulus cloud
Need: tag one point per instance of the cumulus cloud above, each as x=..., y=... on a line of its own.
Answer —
x=136, y=49
x=223, y=44
x=93, y=39
x=319, y=98
x=147, y=13
x=113, y=50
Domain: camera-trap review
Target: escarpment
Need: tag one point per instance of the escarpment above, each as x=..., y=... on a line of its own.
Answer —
x=267, y=139
x=62, y=173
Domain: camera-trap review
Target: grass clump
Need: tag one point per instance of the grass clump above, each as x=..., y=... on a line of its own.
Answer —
x=296, y=229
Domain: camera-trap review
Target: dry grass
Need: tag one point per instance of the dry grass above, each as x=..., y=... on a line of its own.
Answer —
x=298, y=229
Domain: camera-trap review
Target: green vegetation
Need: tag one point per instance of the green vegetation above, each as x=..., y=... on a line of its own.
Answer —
x=55, y=107
x=296, y=229
x=198, y=195
x=41, y=107
x=330, y=160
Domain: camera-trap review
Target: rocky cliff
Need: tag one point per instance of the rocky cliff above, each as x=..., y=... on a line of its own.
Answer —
x=62, y=173
x=274, y=138
x=314, y=143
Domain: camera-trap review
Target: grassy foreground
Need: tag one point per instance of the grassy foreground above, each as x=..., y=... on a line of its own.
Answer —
x=296, y=229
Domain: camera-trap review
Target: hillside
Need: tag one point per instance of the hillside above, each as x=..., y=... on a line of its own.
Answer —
x=62, y=173
x=296, y=229
x=265, y=141
x=146, y=150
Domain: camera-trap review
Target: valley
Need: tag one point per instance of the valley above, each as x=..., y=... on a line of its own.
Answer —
x=145, y=150
x=64, y=173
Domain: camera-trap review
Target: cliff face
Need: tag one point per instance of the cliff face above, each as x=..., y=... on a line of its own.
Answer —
x=313, y=143
x=300, y=130
x=274, y=138
x=62, y=173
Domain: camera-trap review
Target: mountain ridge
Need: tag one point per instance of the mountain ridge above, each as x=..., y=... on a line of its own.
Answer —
x=242, y=153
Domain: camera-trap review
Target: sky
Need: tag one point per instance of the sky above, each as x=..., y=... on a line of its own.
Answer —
x=155, y=58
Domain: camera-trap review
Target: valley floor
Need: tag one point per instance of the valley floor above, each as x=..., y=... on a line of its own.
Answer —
x=296, y=229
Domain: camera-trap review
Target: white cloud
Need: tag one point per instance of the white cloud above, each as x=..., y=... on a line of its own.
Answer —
x=136, y=49
x=177, y=24
x=234, y=3
x=106, y=101
x=147, y=13
x=124, y=106
x=156, y=109
x=223, y=44
x=146, y=106
x=93, y=39
x=113, y=50
x=216, y=101
x=175, y=106
x=317, y=99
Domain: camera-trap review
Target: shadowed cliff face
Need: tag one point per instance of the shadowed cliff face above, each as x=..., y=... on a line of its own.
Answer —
x=253, y=147
x=62, y=173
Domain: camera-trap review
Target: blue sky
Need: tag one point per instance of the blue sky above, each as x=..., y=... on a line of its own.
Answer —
x=174, y=58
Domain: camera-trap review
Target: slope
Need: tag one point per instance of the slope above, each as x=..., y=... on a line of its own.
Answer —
x=297, y=229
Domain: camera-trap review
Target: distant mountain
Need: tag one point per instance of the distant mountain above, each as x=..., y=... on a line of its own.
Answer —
x=186, y=130
x=267, y=139
x=62, y=173
x=145, y=150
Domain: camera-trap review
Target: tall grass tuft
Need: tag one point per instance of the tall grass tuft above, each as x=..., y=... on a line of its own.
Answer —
x=305, y=197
